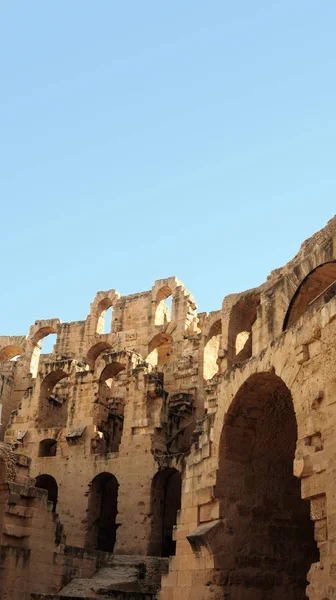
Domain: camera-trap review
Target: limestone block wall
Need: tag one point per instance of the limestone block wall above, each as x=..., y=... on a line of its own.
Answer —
x=34, y=557
x=231, y=400
x=95, y=406
x=6, y=400
x=220, y=503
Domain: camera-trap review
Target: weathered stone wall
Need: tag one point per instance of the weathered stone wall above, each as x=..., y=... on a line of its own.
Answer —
x=238, y=534
x=103, y=409
x=231, y=400
x=33, y=556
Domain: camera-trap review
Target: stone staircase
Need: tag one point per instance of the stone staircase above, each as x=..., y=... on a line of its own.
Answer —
x=124, y=578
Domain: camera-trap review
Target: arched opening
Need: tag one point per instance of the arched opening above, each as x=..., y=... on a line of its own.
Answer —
x=211, y=348
x=47, y=447
x=42, y=346
x=165, y=502
x=53, y=405
x=159, y=349
x=95, y=351
x=242, y=317
x=109, y=409
x=10, y=352
x=102, y=513
x=47, y=482
x=164, y=307
x=269, y=545
x=105, y=311
x=317, y=288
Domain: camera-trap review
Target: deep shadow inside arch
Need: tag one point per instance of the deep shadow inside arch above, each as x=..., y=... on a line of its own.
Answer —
x=47, y=482
x=165, y=503
x=109, y=414
x=47, y=447
x=102, y=513
x=270, y=546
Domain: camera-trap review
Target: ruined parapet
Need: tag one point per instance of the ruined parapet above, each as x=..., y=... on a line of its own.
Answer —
x=162, y=399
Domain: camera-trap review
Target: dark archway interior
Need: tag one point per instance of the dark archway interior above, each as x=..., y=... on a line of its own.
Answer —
x=165, y=501
x=318, y=287
x=109, y=408
x=48, y=447
x=47, y=482
x=102, y=513
x=269, y=546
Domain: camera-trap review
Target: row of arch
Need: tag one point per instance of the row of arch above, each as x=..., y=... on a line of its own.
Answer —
x=318, y=281
x=317, y=287
x=162, y=312
x=158, y=351
x=13, y=352
x=108, y=407
x=102, y=511
x=268, y=539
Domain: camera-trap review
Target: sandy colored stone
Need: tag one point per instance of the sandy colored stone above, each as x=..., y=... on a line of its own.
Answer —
x=209, y=437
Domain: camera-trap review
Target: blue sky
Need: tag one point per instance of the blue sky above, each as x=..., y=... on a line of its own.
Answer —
x=141, y=140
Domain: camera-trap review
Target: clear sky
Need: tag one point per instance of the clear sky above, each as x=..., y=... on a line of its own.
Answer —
x=143, y=139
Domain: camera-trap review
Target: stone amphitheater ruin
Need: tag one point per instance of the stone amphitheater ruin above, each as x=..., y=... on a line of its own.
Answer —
x=178, y=456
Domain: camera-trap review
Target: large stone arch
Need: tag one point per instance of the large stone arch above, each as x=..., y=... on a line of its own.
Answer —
x=102, y=512
x=39, y=331
x=12, y=345
x=316, y=288
x=284, y=360
x=124, y=357
x=277, y=296
x=281, y=361
x=165, y=504
x=183, y=315
x=11, y=351
x=95, y=351
x=267, y=544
